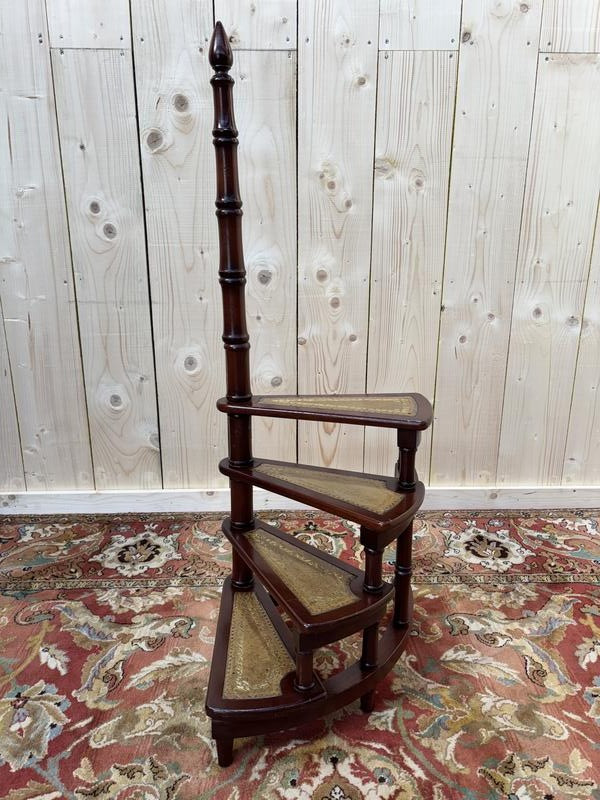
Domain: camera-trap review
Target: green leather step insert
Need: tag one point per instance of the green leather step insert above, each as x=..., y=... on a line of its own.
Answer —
x=257, y=659
x=318, y=585
x=368, y=493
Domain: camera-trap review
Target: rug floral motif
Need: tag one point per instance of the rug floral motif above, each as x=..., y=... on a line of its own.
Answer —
x=107, y=628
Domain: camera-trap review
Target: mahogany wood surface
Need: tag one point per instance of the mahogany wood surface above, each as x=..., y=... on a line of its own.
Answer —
x=234, y=718
x=303, y=696
x=313, y=630
x=264, y=406
x=409, y=502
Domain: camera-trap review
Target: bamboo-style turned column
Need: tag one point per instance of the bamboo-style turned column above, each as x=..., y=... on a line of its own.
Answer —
x=232, y=277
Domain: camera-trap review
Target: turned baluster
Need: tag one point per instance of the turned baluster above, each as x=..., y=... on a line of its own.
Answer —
x=408, y=441
x=304, y=671
x=232, y=277
x=373, y=583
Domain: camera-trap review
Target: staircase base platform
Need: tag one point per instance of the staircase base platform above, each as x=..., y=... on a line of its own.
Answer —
x=251, y=688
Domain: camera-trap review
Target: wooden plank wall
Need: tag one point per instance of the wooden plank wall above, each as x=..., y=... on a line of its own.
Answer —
x=421, y=182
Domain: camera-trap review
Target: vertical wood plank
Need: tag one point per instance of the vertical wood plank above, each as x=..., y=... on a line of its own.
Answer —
x=496, y=80
x=582, y=461
x=419, y=24
x=99, y=145
x=337, y=75
x=36, y=282
x=259, y=24
x=571, y=26
x=266, y=117
x=89, y=23
x=415, y=105
x=175, y=109
x=561, y=200
x=12, y=478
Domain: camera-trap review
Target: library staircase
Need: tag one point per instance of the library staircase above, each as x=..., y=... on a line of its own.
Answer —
x=284, y=598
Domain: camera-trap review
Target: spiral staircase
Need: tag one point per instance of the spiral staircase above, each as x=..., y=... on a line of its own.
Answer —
x=285, y=598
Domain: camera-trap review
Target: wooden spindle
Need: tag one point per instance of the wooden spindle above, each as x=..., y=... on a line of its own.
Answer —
x=232, y=277
x=408, y=442
x=402, y=575
x=304, y=671
x=373, y=582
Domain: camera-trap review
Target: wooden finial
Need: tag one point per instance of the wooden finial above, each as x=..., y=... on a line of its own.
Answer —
x=220, y=54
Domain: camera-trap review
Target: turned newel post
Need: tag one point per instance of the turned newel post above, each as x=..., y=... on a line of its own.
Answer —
x=408, y=441
x=232, y=277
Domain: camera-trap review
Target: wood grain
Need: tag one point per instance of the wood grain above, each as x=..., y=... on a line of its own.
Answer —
x=98, y=135
x=419, y=24
x=582, y=456
x=259, y=24
x=189, y=501
x=335, y=173
x=175, y=111
x=89, y=23
x=266, y=113
x=36, y=282
x=496, y=81
x=12, y=477
x=412, y=163
x=571, y=26
x=554, y=256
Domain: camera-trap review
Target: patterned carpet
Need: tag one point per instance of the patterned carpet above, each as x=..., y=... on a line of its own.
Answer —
x=107, y=628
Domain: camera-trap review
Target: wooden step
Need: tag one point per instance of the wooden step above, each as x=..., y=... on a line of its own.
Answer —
x=323, y=596
x=374, y=501
x=253, y=666
x=244, y=716
x=405, y=411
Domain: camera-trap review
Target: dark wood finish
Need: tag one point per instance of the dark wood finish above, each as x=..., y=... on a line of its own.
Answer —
x=262, y=407
x=312, y=631
x=278, y=707
x=409, y=502
x=402, y=575
x=225, y=751
x=232, y=277
x=373, y=583
x=303, y=696
x=305, y=679
x=342, y=688
x=408, y=441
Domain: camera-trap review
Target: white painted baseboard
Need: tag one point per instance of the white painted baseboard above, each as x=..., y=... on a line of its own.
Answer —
x=191, y=500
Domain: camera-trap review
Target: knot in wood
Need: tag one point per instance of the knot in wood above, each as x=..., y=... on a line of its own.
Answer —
x=180, y=102
x=190, y=363
x=466, y=36
x=154, y=140
x=384, y=168
x=116, y=400
x=109, y=230
x=94, y=207
x=322, y=275
x=276, y=381
x=264, y=276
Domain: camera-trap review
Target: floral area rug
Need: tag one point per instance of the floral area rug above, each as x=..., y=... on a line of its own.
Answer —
x=107, y=627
